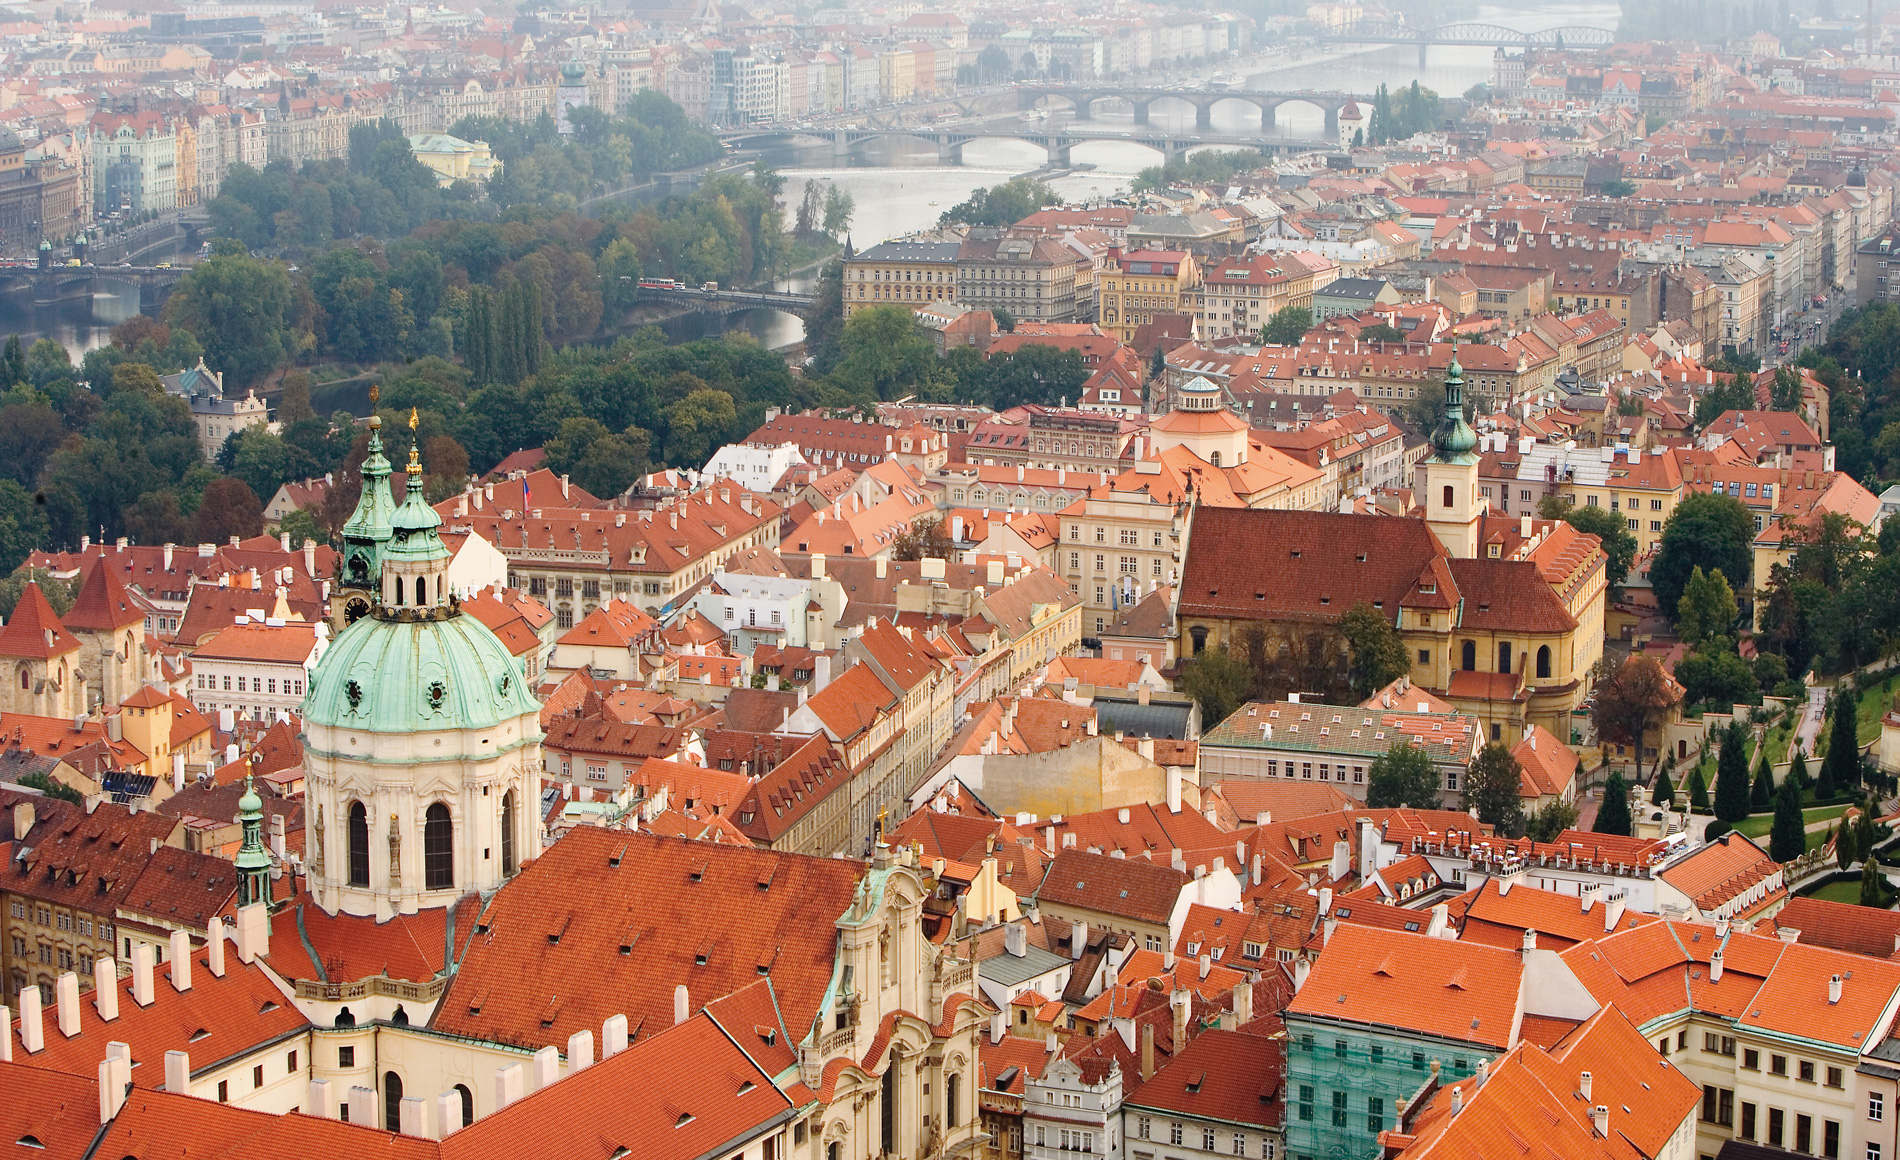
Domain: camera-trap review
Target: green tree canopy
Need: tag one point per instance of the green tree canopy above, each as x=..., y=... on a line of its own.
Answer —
x=1402, y=776
x=1787, y=836
x=1707, y=530
x=1378, y=654
x=1613, y=815
x=1731, y=774
x=1218, y=681
x=241, y=309
x=1492, y=785
x=1287, y=327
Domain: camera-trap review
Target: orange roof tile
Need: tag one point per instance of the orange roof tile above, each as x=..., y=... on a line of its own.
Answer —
x=1457, y=991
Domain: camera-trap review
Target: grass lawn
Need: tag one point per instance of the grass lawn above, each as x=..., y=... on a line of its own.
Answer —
x=1846, y=890
x=1776, y=739
x=1873, y=706
x=1758, y=825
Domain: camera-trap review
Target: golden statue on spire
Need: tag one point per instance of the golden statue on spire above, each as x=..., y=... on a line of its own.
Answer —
x=415, y=451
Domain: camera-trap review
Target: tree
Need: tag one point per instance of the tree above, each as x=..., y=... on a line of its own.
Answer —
x=23, y=525
x=1784, y=394
x=1665, y=791
x=1842, y=765
x=1871, y=893
x=229, y=508
x=697, y=424
x=157, y=519
x=240, y=309
x=884, y=355
x=1381, y=332
x=1720, y=678
x=1544, y=824
x=1714, y=531
x=59, y=593
x=1731, y=774
x=1618, y=187
x=1001, y=205
x=1492, y=785
x=447, y=465
x=1606, y=526
x=1798, y=771
x=1287, y=327
x=1005, y=321
x=1613, y=816
x=1698, y=792
x=1402, y=776
x=1764, y=792
x=839, y=206
x=293, y=404
x=1218, y=681
x=44, y=782
x=1378, y=655
x=1706, y=611
x=923, y=538
x=1787, y=836
x=1632, y=697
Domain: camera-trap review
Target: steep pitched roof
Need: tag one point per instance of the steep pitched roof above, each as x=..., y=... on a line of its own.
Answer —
x=669, y=902
x=34, y=631
x=1433, y=986
x=102, y=604
x=1128, y=887
x=1300, y=565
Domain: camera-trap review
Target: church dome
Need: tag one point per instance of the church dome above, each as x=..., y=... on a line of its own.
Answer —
x=415, y=670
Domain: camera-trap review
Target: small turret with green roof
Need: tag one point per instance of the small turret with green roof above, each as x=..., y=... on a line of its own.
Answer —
x=253, y=861
x=367, y=531
x=1453, y=441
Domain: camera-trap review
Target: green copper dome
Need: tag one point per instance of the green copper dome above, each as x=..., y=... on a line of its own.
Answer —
x=416, y=670
x=1454, y=439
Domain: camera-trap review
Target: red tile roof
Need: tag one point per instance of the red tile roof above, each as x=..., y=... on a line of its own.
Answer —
x=102, y=604
x=1126, y=887
x=34, y=631
x=669, y=902
x=1432, y=986
x=1842, y=926
x=1220, y=1075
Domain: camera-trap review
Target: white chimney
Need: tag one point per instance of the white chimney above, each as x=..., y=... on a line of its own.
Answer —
x=142, y=974
x=1457, y=1100
x=1207, y=964
x=613, y=1036
x=448, y=1108
x=409, y=1119
x=181, y=961
x=1833, y=989
x=320, y=1104
x=547, y=1065
x=1078, y=940
x=1715, y=969
x=1015, y=940
x=31, y=1032
x=362, y=1102
x=681, y=1007
x=1583, y=1085
x=1174, y=789
x=178, y=1072
x=580, y=1050
x=508, y=1082
x=1530, y=941
x=66, y=1001
x=105, y=987
x=1300, y=969
x=1600, y=1120
x=115, y=1076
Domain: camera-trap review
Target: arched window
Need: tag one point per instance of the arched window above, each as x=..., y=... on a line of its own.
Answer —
x=438, y=849
x=401, y=1017
x=1469, y=657
x=399, y=578
x=1504, y=656
x=1199, y=633
x=422, y=590
x=1213, y=457
x=1543, y=662
x=468, y=1104
x=508, y=832
x=25, y=679
x=345, y=1018
x=1448, y=495
x=392, y=1102
x=952, y=1089
x=359, y=845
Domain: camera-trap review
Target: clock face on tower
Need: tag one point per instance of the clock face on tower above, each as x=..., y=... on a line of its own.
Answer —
x=354, y=610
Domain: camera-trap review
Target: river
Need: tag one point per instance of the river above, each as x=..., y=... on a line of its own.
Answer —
x=904, y=189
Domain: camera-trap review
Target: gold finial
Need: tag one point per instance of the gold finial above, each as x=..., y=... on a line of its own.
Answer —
x=412, y=418
x=375, y=393
x=415, y=451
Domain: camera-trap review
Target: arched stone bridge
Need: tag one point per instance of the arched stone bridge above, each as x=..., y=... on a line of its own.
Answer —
x=1057, y=143
x=63, y=283
x=1083, y=98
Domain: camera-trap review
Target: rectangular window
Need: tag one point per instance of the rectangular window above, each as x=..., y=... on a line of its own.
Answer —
x=1876, y=1106
x=1751, y=1059
x=1339, y=1109
x=1375, y=1113
x=1777, y=1065
x=1803, y=1132
x=1834, y=1077
x=346, y=1057
x=1807, y=1071
x=257, y=1076
x=1306, y=1105
x=224, y=1091
x=1831, y=1139
x=1748, y=1121
x=1424, y=656
x=1873, y=1150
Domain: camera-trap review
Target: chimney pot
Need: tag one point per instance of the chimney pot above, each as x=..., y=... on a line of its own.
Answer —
x=142, y=974
x=66, y=998
x=181, y=960
x=105, y=987
x=178, y=1072
x=1583, y=1085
